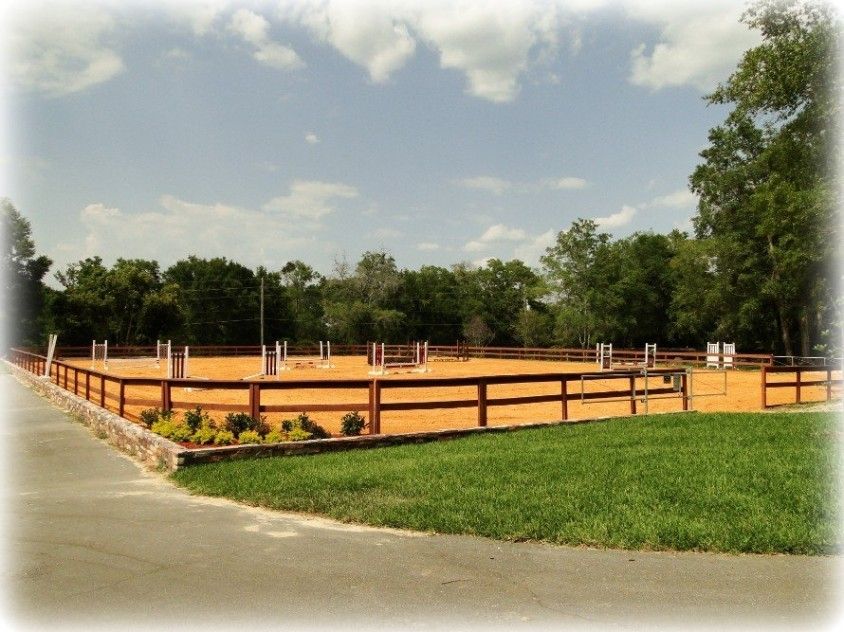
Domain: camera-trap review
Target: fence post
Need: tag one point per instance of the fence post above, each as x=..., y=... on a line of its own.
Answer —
x=481, y=403
x=102, y=391
x=75, y=381
x=122, y=400
x=564, y=396
x=375, y=407
x=87, y=385
x=632, y=379
x=764, y=387
x=254, y=400
x=165, y=395
x=797, y=384
x=684, y=381
x=829, y=385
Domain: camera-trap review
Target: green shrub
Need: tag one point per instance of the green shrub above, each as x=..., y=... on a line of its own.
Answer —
x=224, y=437
x=181, y=432
x=204, y=435
x=249, y=436
x=351, y=424
x=172, y=430
x=275, y=436
x=303, y=422
x=194, y=419
x=298, y=434
x=163, y=427
x=149, y=416
x=239, y=422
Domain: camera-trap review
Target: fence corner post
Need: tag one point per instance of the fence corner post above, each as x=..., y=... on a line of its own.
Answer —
x=482, y=418
x=764, y=382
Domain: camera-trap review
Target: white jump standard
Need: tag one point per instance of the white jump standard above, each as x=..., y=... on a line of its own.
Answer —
x=270, y=362
x=603, y=355
x=415, y=362
x=323, y=361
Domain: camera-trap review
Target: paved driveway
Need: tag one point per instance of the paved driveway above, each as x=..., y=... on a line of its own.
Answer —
x=91, y=539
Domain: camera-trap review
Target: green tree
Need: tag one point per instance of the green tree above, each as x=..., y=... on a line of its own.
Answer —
x=303, y=286
x=22, y=278
x=767, y=183
x=219, y=298
x=577, y=270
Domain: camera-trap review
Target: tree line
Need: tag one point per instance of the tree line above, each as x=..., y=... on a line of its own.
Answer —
x=760, y=268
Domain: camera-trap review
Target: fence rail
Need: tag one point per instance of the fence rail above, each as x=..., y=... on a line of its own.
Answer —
x=799, y=382
x=459, y=351
x=368, y=394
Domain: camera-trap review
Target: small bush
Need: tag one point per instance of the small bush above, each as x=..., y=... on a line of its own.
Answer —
x=275, y=436
x=224, y=437
x=352, y=424
x=181, y=433
x=308, y=425
x=194, y=419
x=204, y=435
x=171, y=430
x=149, y=416
x=238, y=422
x=163, y=427
x=249, y=436
x=298, y=434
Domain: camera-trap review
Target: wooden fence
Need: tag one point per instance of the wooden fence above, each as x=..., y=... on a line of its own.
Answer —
x=368, y=393
x=620, y=356
x=799, y=383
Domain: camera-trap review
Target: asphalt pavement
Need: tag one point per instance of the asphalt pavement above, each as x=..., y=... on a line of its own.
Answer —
x=91, y=540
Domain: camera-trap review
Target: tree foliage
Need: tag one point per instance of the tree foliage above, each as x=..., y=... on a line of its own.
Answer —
x=767, y=185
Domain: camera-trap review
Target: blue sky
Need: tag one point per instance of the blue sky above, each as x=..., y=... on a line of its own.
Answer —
x=270, y=131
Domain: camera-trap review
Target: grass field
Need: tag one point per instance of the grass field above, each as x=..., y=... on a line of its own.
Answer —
x=736, y=482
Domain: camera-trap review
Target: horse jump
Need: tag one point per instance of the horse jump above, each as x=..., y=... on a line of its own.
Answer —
x=415, y=359
x=270, y=362
x=323, y=361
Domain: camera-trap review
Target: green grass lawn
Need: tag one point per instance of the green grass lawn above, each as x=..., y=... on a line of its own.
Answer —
x=715, y=482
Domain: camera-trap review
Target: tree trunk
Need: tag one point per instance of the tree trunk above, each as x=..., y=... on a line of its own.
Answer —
x=805, y=333
x=785, y=334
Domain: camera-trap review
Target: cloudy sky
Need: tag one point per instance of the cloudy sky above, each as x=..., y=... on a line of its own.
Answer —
x=442, y=131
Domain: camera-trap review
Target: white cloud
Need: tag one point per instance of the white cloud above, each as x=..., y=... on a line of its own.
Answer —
x=566, y=183
x=427, y=246
x=178, y=228
x=500, y=232
x=486, y=183
x=622, y=218
x=387, y=233
x=494, y=234
x=310, y=199
x=534, y=248
x=199, y=15
x=682, y=198
x=491, y=43
x=311, y=138
x=63, y=50
x=254, y=29
x=700, y=43
x=369, y=34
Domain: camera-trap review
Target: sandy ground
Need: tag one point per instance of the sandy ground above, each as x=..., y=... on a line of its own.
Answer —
x=732, y=390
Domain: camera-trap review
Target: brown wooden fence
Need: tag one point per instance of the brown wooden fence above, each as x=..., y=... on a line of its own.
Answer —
x=800, y=382
x=620, y=356
x=111, y=392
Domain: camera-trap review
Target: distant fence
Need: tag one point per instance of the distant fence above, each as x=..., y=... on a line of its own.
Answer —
x=457, y=351
x=804, y=378
x=115, y=393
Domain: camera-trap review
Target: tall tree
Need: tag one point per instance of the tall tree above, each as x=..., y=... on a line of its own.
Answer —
x=767, y=184
x=22, y=275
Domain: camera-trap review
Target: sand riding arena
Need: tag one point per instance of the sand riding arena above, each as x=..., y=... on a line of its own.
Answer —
x=455, y=388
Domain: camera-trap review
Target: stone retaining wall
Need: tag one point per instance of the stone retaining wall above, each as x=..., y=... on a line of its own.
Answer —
x=158, y=452
x=149, y=448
